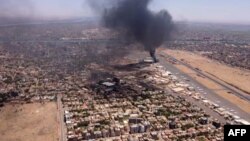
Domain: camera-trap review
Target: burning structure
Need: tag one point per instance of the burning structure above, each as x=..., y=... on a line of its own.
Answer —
x=139, y=23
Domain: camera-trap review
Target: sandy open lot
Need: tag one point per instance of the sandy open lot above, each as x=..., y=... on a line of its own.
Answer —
x=29, y=122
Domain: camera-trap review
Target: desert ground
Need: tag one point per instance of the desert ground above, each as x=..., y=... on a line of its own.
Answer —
x=29, y=122
x=236, y=77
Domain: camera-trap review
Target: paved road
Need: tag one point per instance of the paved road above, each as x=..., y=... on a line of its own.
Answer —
x=207, y=93
x=62, y=127
x=235, y=91
x=203, y=90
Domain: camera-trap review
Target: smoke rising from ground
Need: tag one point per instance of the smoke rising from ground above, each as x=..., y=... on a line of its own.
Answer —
x=133, y=16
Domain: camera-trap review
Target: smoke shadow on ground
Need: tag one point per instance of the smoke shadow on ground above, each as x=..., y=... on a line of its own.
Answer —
x=132, y=66
x=97, y=75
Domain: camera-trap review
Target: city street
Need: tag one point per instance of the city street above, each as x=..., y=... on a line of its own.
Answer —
x=62, y=127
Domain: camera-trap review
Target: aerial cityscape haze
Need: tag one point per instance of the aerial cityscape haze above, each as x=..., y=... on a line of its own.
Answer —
x=124, y=70
x=223, y=11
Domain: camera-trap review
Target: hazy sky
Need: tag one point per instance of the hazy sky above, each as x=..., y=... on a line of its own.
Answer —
x=226, y=11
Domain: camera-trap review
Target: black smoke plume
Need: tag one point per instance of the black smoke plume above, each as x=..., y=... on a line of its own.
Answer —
x=133, y=16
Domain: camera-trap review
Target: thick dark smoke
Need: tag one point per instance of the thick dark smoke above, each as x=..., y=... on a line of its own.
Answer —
x=133, y=16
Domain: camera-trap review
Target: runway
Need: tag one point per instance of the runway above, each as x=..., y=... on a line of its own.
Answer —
x=204, y=91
